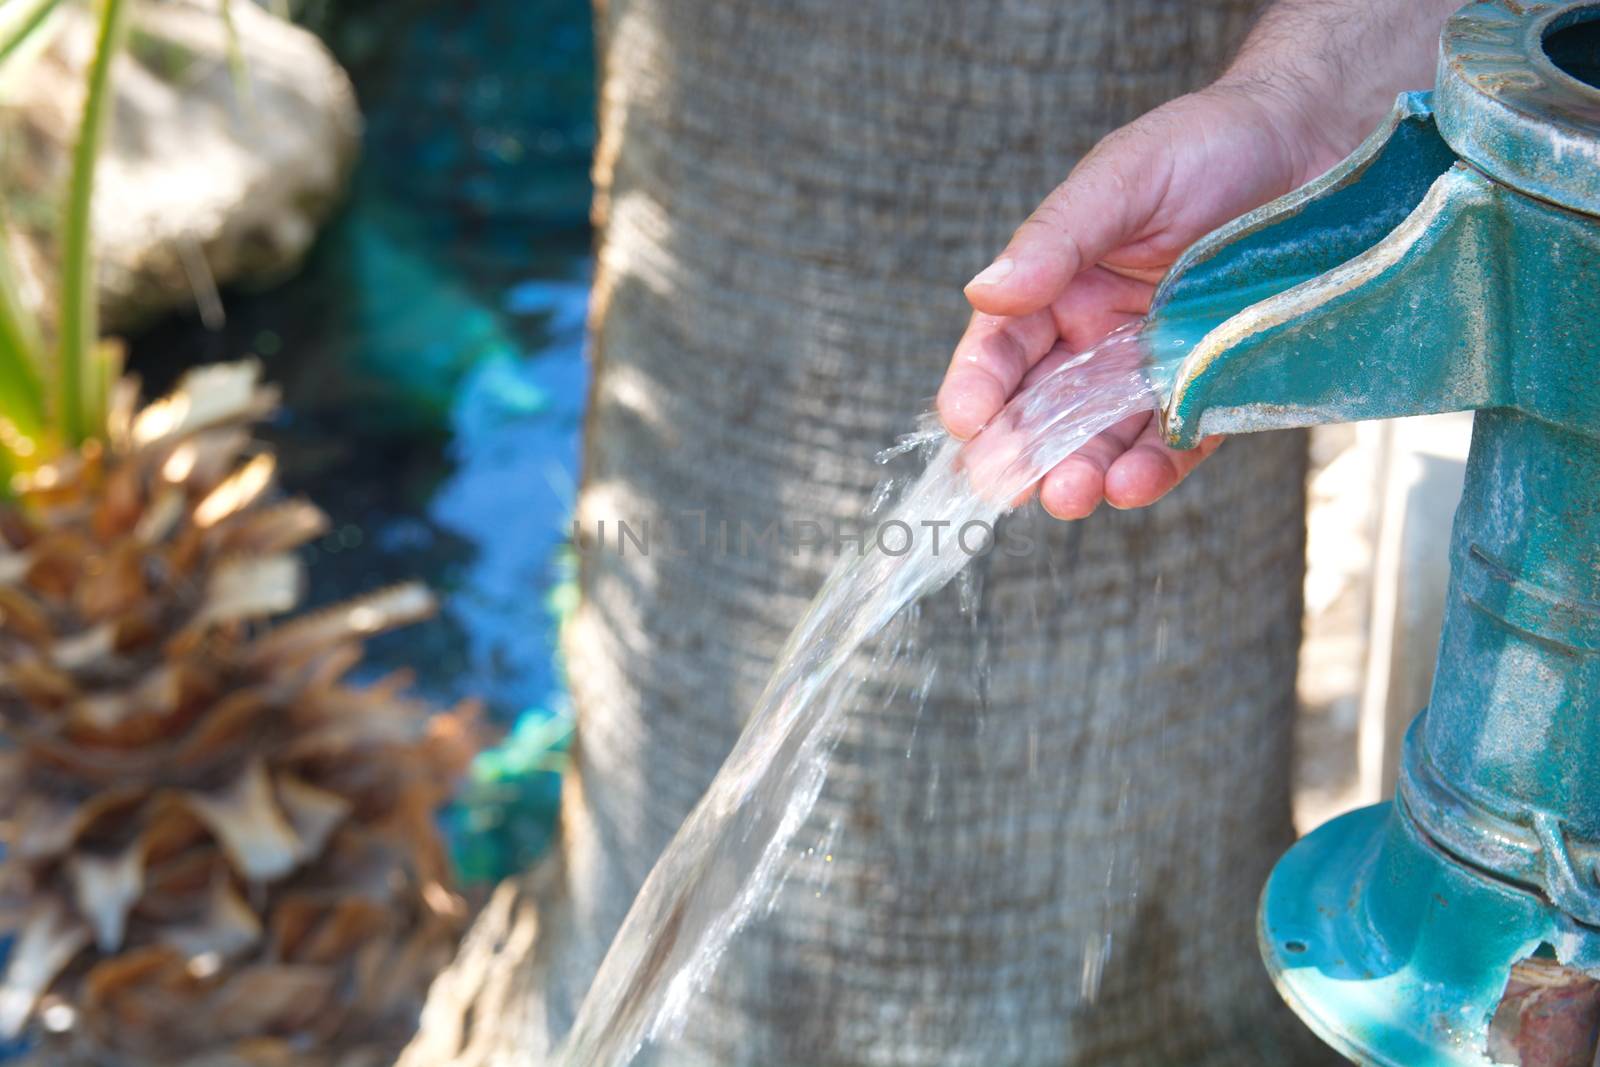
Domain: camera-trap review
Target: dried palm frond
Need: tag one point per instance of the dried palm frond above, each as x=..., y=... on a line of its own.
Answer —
x=218, y=850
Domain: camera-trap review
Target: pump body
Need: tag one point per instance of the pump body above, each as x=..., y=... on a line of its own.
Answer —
x=1451, y=263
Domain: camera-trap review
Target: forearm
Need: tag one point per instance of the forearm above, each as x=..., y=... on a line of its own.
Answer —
x=1336, y=65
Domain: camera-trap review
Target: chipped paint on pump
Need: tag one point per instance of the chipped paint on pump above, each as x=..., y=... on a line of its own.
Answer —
x=1449, y=264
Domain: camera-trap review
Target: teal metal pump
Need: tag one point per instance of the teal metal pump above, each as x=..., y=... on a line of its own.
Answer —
x=1451, y=263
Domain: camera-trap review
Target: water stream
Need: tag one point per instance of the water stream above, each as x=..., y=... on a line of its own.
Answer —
x=727, y=856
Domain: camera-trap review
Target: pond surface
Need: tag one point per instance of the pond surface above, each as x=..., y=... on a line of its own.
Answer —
x=431, y=356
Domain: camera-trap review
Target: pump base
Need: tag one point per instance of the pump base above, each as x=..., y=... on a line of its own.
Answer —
x=1395, y=953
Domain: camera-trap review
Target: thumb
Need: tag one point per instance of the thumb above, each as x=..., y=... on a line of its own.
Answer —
x=1104, y=204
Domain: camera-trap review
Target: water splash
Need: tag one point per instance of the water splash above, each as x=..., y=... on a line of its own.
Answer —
x=726, y=858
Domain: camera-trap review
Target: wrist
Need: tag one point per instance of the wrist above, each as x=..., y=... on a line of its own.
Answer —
x=1326, y=71
x=1315, y=130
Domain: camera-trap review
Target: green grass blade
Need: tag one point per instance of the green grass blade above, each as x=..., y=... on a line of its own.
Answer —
x=22, y=353
x=18, y=33
x=22, y=396
x=20, y=336
x=236, y=66
x=77, y=390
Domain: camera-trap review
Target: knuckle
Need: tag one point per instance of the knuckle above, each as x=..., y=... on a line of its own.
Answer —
x=1046, y=221
x=1001, y=354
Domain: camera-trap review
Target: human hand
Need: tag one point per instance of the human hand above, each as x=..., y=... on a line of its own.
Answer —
x=1087, y=261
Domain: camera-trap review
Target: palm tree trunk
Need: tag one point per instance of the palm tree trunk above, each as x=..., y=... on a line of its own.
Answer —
x=1051, y=854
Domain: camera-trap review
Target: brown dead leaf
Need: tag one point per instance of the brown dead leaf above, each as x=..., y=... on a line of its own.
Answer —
x=257, y=1052
x=180, y=888
x=341, y=720
x=220, y=732
x=48, y=942
x=293, y=919
x=251, y=588
x=137, y=1003
x=87, y=648
x=324, y=670
x=314, y=813
x=206, y=396
x=100, y=717
x=236, y=492
x=119, y=503
x=271, y=998
x=13, y=564
x=57, y=563
x=49, y=826
x=394, y=976
x=120, y=409
x=101, y=766
x=363, y=617
x=270, y=530
x=39, y=683
x=143, y=967
x=352, y=921
x=455, y=737
x=161, y=517
x=170, y=829
x=105, y=888
x=203, y=460
x=21, y=615
x=258, y=839
x=227, y=929
x=114, y=584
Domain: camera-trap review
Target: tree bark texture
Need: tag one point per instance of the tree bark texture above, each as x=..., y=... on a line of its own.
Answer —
x=1050, y=852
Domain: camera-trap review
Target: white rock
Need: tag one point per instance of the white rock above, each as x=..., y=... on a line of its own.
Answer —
x=207, y=178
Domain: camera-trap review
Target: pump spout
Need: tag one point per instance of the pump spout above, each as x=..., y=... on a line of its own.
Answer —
x=1373, y=292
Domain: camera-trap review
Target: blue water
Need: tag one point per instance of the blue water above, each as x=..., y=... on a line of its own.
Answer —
x=431, y=356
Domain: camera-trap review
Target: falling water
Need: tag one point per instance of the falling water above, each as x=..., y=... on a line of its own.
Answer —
x=726, y=856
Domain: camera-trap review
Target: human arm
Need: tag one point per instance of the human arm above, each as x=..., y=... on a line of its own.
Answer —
x=1310, y=81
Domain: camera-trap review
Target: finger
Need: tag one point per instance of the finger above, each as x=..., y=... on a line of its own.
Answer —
x=1150, y=469
x=987, y=366
x=1105, y=359
x=1097, y=302
x=1075, y=486
x=1101, y=206
x=1074, y=489
x=996, y=457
